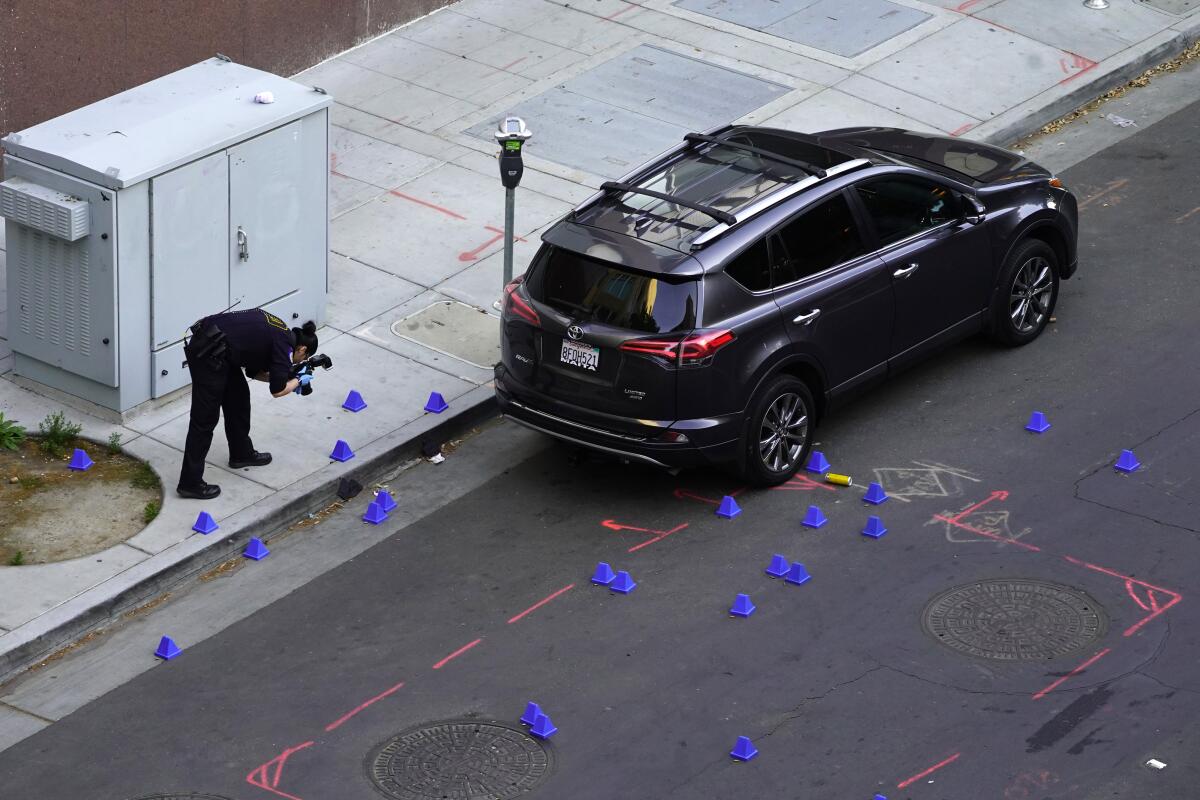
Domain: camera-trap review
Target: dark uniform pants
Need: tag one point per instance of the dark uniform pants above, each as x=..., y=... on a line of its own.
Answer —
x=217, y=386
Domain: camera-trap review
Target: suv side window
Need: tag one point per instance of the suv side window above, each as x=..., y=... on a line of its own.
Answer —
x=822, y=236
x=752, y=267
x=903, y=207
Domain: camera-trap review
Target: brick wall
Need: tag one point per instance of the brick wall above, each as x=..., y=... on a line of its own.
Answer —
x=58, y=55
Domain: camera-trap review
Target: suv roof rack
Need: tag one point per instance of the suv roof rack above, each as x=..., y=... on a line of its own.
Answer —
x=700, y=138
x=723, y=217
x=774, y=199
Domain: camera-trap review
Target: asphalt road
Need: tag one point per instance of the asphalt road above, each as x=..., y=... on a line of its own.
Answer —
x=485, y=604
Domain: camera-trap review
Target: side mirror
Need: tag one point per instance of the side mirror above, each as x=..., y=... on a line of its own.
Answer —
x=975, y=211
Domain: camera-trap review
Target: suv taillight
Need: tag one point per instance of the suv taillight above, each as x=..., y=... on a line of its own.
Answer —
x=689, y=351
x=517, y=305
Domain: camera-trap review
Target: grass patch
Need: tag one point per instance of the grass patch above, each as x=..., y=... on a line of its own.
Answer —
x=114, y=443
x=18, y=559
x=151, y=511
x=144, y=477
x=30, y=482
x=11, y=433
x=58, y=433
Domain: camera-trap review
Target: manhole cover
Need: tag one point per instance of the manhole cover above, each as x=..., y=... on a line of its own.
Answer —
x=1014, y=620
x=459, y=760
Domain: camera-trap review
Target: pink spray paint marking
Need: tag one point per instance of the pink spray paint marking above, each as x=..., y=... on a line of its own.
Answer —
x=685, y=494
x=427, y=204
x=262, y=778
x=337, y=723
x=541, y=603
x=930, y=771
x=1153, y=598
x=1072, y=673
x=803, y=483
x=456, y=653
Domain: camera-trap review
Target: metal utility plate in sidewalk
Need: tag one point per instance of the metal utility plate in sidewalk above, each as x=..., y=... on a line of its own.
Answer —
x=630, y=108
x=1180, y=8
x=454, y=329
x=844, y=27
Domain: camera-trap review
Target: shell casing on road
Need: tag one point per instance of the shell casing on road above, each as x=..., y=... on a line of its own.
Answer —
x=840, y=480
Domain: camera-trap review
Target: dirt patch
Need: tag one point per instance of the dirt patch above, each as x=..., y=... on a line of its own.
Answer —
x=53, y=513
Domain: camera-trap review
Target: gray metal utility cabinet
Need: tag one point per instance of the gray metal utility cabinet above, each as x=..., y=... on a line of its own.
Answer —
x=129, y=219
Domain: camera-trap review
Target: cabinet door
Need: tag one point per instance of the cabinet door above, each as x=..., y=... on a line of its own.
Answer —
x=189, y=230
x=276, y=213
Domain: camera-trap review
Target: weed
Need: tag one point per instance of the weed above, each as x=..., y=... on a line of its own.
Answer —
x=29, y=482
x=11, y=433
x=58, y=433
x=151, y=511
x=114, y=443
x=145, y=477
x=18, y=559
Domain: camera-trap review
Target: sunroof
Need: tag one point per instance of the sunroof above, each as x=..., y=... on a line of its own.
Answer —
x=716, y=176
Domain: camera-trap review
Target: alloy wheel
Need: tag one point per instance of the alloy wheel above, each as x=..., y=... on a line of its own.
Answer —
x=1029, y=298
x=783, y=432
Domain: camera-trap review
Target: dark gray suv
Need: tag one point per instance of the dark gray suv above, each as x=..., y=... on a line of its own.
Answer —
x=710, y=306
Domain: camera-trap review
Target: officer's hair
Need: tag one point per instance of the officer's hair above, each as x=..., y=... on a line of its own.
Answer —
x=307, y=336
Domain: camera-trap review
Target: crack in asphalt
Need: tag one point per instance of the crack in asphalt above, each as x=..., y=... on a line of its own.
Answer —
x=1146, y=517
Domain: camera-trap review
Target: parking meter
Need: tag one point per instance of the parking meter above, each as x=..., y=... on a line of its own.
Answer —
x=511, y=133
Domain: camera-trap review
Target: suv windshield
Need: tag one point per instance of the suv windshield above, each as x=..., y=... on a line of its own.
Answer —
x=590, y=290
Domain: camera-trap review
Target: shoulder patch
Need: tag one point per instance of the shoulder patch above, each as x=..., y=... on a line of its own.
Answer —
x=274, y=321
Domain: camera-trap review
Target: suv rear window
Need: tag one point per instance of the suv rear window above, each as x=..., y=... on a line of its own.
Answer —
x=590, y=290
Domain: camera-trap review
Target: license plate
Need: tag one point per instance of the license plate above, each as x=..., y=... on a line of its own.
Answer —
x=584, y=356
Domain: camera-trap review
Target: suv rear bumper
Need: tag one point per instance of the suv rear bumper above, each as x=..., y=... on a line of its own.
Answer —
x=711, y=441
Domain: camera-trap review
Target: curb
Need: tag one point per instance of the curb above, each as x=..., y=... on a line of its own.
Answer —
x=1017, y=123
x=141, y=583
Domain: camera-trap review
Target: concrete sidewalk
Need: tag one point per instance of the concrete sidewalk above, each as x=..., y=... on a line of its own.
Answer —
x=417, y=209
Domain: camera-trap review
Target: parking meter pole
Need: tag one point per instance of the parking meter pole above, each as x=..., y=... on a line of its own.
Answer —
x=510, y=201
x=511, y=134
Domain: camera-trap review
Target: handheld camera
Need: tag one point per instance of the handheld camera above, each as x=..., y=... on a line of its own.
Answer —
x=307, y=366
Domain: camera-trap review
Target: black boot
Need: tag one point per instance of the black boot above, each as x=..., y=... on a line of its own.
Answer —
x=255, y=459
x=202, y=491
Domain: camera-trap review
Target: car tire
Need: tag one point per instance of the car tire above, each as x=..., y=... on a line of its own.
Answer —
x=782, y=401
x=1026, y=294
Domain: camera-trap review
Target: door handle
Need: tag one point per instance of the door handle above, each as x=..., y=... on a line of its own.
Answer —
x=806, y=319
x=906, y=271
x=243, y=243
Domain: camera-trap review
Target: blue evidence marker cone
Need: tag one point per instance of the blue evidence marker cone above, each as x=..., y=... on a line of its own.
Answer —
x=354, y=401
x=742, y=607
x=80, y=460
x=436, y=403
x=341, y=451
x=744, y=750
x=778, y=566
x=374, y=514
x=543, y=728
x=622, y=583
x=814, y=518
x=1127, y=462
x=167, y=649
x=205, y=523
x=1037, y=423
x=880, y=797
x=798, y=574
x=875, y=494
x=532, y=712
x=874, y=527
x=385, y=501
x=603, y=575
x=728, y=508
x=817, y=462
x=256, y=550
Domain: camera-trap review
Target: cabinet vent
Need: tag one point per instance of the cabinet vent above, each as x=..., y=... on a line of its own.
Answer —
x=45, y=210
x=54, y=302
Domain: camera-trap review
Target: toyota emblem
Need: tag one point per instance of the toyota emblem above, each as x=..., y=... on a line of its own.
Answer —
x=575, y=332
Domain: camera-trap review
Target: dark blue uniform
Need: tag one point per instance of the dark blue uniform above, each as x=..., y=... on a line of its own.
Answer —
x=255, y=341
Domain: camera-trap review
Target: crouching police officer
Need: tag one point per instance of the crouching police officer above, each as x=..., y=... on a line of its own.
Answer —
x=220, y=347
